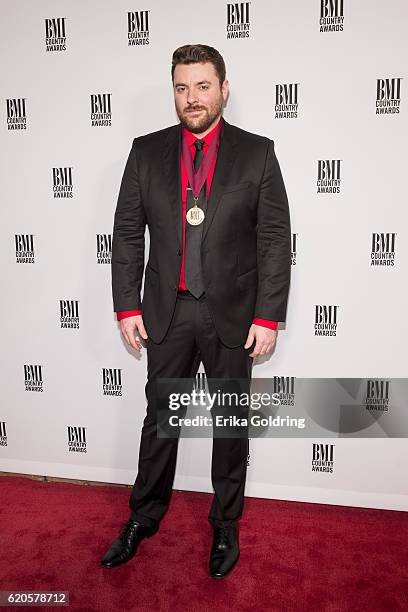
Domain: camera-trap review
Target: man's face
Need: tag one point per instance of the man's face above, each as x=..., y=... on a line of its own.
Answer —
x=198, y=98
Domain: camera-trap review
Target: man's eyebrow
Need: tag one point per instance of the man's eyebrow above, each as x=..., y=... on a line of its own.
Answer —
x=185, y=85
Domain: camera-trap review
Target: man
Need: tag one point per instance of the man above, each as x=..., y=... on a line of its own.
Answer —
x=216, y=281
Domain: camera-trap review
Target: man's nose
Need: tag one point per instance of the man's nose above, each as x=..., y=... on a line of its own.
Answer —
x=192, y=97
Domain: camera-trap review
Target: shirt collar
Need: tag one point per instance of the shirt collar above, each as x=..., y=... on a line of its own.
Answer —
x=191, y=138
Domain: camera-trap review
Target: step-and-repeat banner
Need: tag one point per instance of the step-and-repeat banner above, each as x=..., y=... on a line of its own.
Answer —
x=327, y=81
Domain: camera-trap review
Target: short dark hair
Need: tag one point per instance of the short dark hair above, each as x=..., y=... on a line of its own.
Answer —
x=193, y=54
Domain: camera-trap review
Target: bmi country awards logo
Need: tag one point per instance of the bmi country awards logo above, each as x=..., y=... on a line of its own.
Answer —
x=383, y=248
x=238, y=24
x=138, y=28
x=285, y=387
x=377, y=397
x=62, y=182
x=24, y=248
x=3, y=433
x=325, y=320
x=328, y=175
x=101, y=110
x=294, y=249
x=112, y=381
x=55, y=37
x=286, y=100
x=69, y=314
x=16, y=114
x=103, y=248
x=322, y=458
x=33, y=377
x=388, y=99
x=76, y=439
x=331, y=16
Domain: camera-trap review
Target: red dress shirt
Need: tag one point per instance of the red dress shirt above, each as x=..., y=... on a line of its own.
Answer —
x=191, y=138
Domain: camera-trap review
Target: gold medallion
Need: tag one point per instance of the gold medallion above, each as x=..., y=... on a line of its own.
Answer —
x=195, y=215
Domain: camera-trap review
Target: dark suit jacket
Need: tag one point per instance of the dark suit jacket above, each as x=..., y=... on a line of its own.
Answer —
x=246, y=242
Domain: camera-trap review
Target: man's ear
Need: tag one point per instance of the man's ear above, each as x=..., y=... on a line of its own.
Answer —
x=225, y=89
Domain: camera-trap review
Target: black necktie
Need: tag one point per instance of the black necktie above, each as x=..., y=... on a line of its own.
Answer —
x=192, y=259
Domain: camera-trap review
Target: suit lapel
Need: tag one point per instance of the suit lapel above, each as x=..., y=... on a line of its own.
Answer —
x=222, y=172
x=171, y=165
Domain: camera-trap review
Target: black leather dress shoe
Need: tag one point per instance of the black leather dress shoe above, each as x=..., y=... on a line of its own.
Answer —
x=225, y=550
x=125, y=546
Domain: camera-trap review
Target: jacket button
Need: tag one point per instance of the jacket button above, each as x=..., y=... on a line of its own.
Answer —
x=179, y=252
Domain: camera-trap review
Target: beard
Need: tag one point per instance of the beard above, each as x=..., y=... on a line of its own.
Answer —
x=201, y=122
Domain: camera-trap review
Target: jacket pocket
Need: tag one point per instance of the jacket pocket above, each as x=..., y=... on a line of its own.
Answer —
x=248, y=279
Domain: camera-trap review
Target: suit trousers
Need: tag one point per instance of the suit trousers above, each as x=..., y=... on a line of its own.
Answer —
x=191, y=338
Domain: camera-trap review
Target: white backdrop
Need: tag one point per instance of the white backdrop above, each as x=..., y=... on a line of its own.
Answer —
x=53, y=248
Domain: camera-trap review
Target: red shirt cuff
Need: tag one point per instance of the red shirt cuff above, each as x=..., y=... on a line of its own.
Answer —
x=265, y=323
x=127, y=313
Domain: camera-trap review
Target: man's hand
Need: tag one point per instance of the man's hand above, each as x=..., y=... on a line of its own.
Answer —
x=265, y=339
x=128, y=326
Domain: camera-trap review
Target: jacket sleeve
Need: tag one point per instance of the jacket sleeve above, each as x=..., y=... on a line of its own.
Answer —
x=273, y=242
x=128, y=240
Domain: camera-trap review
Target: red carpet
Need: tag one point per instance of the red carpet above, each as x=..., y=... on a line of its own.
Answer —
x=298, y=556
